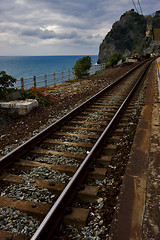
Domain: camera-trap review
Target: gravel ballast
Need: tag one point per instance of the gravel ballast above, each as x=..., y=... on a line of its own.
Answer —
x=67, y=96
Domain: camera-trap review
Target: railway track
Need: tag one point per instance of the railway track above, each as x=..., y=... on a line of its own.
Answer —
x=77, y=160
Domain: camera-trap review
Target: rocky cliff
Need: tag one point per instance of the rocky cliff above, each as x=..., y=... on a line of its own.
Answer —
x=131, y=34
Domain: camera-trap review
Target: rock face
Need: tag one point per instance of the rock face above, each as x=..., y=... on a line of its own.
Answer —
x=125, y=37
x=154, y=47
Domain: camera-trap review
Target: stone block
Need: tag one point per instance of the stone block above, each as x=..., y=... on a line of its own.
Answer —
x=18, y=107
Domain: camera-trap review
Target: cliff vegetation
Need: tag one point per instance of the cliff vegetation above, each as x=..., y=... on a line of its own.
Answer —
x=131, y=34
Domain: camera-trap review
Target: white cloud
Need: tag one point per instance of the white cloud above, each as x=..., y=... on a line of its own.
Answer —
x=59, y=26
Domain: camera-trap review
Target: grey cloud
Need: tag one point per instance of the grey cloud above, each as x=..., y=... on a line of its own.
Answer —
x=84, y=22
x=2, y=29
x=47, y=34
x=43, y=12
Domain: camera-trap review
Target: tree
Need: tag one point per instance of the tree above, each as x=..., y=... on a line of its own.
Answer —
x=82, y=66
x=6, y=81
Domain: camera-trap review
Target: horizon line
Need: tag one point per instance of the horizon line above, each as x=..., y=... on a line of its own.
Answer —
x=49, y=55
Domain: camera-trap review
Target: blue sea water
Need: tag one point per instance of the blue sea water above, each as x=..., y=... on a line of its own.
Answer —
x=28, y=66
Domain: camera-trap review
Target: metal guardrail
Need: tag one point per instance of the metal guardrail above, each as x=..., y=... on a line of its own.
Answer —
x=52, y=79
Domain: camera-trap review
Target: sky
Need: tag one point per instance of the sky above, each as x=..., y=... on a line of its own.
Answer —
x=61, y=27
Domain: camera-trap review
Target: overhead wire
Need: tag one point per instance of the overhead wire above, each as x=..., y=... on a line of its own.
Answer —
x=140, y=7
x=135, y=6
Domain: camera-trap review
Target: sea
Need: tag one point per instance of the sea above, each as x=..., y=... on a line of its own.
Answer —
x=29, y=66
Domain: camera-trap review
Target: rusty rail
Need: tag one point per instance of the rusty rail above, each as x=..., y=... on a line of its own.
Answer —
x=52, y=219
x=67, y=195
x=19, y=151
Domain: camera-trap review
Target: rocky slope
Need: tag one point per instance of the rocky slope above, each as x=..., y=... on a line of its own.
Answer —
x=131, y=34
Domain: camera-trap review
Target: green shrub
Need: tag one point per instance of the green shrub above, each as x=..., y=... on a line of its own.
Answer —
x=34, y=93
x=6, y=81
x=82, y=67
x=114, y=59
x=27, y=94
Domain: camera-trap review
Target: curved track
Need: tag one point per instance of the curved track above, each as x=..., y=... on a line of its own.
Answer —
x=59, y=160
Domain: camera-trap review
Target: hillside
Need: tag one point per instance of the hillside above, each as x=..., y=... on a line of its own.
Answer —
x=131, y=34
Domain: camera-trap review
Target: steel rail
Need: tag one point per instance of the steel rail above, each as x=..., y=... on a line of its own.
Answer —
x=52, y=219
x=23, y=148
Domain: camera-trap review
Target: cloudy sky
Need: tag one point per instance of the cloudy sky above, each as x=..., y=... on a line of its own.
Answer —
x=60, y=27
